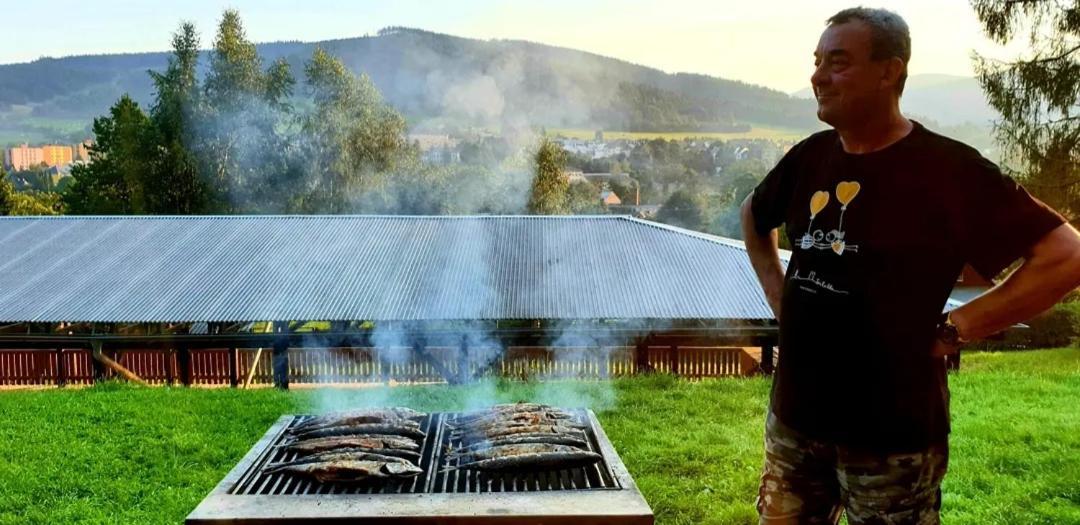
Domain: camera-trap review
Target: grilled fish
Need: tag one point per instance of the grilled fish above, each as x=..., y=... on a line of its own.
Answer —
x=499, y=431
x=499, y=425
x=354, y=454
x=374, y=442
x=521, y=439
x=562, y=457
x=531, y=418
x=511, y=408
x=480, y=454
x=392, y=429
x=350, y=470
x=367, y=415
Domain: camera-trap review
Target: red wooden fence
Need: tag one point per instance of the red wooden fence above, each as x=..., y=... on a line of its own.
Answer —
x=217, y=367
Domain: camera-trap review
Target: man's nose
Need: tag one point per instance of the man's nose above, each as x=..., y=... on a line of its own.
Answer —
x=818, y=77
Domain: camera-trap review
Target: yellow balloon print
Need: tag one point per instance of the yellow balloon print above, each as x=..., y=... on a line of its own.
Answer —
x=846, y=192
x=818, y=202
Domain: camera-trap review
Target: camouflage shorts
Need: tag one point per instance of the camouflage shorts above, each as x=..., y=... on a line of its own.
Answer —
x=809, y=482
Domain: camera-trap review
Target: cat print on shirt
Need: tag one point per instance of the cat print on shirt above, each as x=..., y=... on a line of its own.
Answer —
x=833, y=239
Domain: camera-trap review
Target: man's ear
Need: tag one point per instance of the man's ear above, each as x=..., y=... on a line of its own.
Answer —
x=894, y=68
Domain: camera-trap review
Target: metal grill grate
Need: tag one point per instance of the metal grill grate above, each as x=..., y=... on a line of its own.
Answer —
x=596, y=476
x=435, y=479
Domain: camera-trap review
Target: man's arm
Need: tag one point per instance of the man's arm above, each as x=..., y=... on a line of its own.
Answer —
x=764, y=251
x=1050, y=270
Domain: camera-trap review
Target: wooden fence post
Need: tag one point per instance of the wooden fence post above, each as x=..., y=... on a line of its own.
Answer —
x=170, y=367
x=464, y=372
x=98, y=366
x=767, y=359
x=61, y=368
x=673, y=359
x=183, y=362
x=641, y=357
x=234, y=357
x=281, y=356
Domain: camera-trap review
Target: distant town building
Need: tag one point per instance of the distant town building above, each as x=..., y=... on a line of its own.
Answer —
x=436, y=149
x=24, y=157
x=82, y=150
x=594, y=149
x=609, y=198
x=54, y=155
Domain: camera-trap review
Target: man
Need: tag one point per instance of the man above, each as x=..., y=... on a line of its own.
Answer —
x=882, y=214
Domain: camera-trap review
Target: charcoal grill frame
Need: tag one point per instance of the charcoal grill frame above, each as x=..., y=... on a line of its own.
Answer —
x=617, y=506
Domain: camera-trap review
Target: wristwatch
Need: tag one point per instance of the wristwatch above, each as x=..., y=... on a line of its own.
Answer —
x=947, y=332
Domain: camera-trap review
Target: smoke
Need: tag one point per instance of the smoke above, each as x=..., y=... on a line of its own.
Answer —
x=496, y=110
x=478, y=98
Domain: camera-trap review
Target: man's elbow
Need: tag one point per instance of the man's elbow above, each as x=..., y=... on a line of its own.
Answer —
x=1059, y=253
x=746, y=215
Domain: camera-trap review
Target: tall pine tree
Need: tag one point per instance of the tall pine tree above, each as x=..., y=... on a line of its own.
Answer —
x=1037, y=95
x=173, y=184
x=113, y=181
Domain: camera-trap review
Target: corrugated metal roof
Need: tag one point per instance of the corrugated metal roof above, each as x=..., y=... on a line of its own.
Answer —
x=248, y=268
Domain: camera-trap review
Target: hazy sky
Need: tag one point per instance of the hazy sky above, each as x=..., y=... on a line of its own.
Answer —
x=767, y=42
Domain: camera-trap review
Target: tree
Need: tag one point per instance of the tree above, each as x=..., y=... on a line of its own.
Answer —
x=350, y=139
x=173, y=184
x=238, y=143
x=36, y=203
x=1037, y=96
x=683, y=209
x=550, y=183
x=740, y=179
x=583, y=199
x=7, y=192
x=113, y=181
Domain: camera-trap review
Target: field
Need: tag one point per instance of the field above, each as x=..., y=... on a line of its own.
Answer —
x=756, y=132
x=39, y=130
x=120, y=454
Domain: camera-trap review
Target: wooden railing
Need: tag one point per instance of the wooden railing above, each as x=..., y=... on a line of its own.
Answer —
x=341, y=366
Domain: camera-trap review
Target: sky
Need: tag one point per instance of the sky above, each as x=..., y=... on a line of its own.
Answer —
x=766, y=42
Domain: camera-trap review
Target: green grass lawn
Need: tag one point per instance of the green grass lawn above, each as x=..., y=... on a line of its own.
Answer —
x=120, y=454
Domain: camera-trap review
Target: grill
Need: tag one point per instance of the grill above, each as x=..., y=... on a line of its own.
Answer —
x=600, y=493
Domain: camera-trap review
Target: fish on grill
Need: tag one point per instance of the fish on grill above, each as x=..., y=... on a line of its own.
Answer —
x=378, y=443
x=499, y=431
x=387, y=428
x=512, y=408
x=348, y=470
x=361, y=416
x=518, y=458
x=521, y=439
x=539, y=421
x=524, y=418
x=480, y=454
x=354, y=454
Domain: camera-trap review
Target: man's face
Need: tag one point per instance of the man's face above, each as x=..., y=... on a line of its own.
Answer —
x=847, y=83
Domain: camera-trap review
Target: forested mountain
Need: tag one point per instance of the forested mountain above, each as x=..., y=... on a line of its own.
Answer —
x=449, y=79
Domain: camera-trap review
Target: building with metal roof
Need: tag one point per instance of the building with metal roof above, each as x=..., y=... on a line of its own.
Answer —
x=397, y=268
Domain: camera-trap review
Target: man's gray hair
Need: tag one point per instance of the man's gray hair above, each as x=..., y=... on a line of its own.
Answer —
x=889, y=35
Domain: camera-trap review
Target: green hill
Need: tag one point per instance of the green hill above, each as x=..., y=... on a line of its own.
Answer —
x=429, y=75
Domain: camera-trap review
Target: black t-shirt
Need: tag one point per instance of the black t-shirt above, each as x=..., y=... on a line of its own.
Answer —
x=878, y=241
